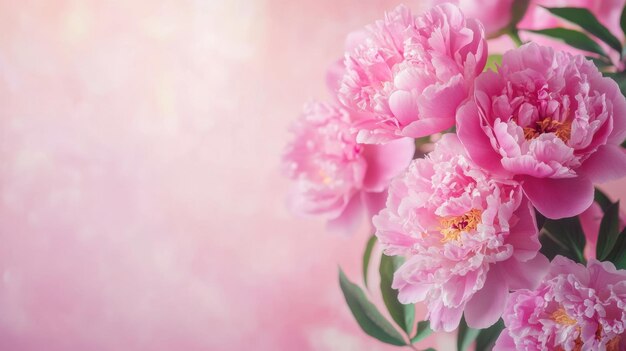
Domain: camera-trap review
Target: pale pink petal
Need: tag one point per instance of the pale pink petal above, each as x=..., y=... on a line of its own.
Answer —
x=403, y=106
x=485, y=308
x=504, y=342
x=559, y=198
x=523, y=235
x=351, y=217
x=425, y=127
x=374, y=202
x=526, y=275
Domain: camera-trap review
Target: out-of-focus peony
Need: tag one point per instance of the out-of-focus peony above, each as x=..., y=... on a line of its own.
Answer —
x=334, y=177
x=590, y=221
x=574, y=308
x=468, y=238
x=550, y=120
x=495, y=15
x=407, y=75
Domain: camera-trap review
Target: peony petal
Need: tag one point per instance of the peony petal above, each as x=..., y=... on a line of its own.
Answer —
x=475, y=140
x=526, y=275
x=487, y=304
x=385, y=162
x=505, y=342
x=425, y=127
x=524, y=235
x=559, y=198
x=374, y=202
x=351, y=217
x=403, y=106
x=607, y=163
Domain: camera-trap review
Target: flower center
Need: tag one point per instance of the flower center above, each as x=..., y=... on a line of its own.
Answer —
x=561, y=317
x=452, y=226
x=562, y=130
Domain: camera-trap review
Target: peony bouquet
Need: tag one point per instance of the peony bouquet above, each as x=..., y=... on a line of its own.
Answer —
x=477, y=172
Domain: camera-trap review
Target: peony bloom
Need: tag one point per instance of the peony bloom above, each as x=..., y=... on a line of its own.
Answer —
x=574, y=308
x=407, y=75
x=468, y=238
x=550, y=120
x=495, y=15
x=335, y=177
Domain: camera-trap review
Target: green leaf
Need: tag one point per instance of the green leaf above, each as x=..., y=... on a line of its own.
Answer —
x=624, y=144
x=423, y=330
x=487, y=337
x=563, y=237
x=609, y=230
x=587, y=21
x=493, y=61
x=367, y=255
x=367, y=315
x=618, y=254
x=602, y=199
x=466, y=336
x=573, y=38
x=430, y=349
x=403, y=315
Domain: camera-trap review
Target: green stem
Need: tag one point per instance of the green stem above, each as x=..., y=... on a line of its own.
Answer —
x=514, y=34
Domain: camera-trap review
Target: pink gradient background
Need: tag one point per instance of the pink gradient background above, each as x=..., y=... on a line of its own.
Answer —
x=141, y=204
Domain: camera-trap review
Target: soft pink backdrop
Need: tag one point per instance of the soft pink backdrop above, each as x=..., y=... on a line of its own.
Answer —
x=141, y=204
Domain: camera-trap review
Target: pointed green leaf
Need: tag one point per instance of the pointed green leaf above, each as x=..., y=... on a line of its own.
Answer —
x=563, y=237
x=609, y=230
x=367, y=315
x=367, y=255
x=573, y=38
x=618, y=254
x=403, y=315
x=487, y=337
x=466, y=336
x=423, y=330
x=587, y=21
x=602, y=200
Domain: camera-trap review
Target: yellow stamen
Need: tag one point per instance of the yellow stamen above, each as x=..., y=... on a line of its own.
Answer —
x=562, y=130
x=452, y=226
x=561, y=317
x=325, y=178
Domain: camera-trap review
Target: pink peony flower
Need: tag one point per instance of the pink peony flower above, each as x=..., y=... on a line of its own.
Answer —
x=550, y=120
x=468, y=238
x=335, y=177
x=574, y=308
x=495, y=15
x=408, y=75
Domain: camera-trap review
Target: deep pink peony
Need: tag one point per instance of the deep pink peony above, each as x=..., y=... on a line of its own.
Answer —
x=334, y=177
x=468, y=238
x=407, y=75
x=550, y=120
x=574, y=308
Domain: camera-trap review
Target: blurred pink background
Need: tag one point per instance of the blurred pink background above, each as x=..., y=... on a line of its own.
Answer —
x=141, y=203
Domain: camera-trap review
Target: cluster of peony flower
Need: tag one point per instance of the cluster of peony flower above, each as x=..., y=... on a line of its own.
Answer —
x=535, y=134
